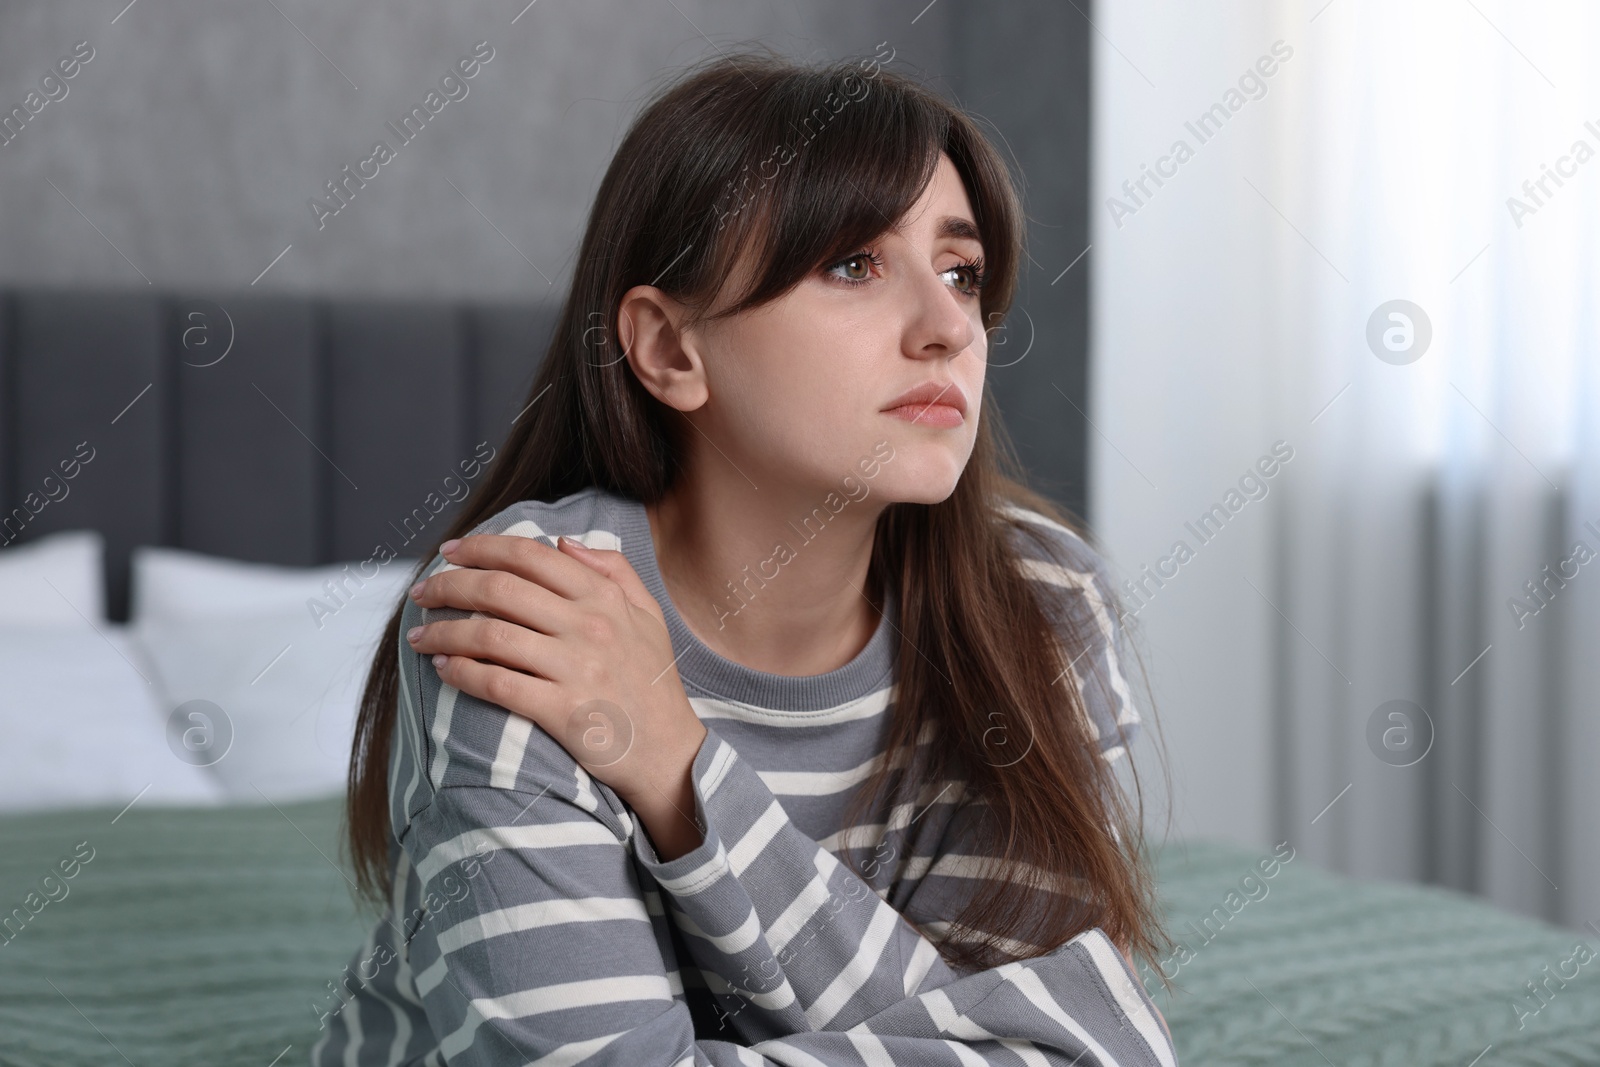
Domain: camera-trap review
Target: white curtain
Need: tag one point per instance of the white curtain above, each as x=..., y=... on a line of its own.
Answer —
x=1387, y=654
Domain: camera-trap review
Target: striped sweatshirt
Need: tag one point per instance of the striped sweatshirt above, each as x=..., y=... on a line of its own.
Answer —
x=532, y=921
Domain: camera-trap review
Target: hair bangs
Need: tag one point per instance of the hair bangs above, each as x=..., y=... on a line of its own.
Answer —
x=815, y=184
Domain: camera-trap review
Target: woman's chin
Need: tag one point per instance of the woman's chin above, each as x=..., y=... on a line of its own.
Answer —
x=929, y=486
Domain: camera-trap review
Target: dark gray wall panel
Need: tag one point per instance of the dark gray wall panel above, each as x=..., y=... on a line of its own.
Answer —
x=8, y=422
x=1025, y=69
x=509, y=344
x=396, y=423
x=274, y=429
x=80, y=362
x=247, y=385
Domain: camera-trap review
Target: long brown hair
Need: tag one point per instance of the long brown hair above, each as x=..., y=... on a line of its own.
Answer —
x=694, y=187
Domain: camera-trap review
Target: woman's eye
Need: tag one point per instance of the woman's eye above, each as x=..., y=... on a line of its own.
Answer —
x=974, y=277
x=864, y=260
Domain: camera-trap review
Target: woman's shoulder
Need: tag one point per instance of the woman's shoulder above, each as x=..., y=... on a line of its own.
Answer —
x=591, y=515
x=456, y=740
x=1077, y=594
x=1053, y=552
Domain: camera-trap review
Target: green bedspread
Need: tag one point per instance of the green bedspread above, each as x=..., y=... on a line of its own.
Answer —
x=210, y=936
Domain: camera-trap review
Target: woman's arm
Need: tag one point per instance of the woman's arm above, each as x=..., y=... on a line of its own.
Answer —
x=810, y=946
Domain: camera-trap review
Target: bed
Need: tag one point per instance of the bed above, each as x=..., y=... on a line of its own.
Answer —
x=207, y=936
x=177, y=712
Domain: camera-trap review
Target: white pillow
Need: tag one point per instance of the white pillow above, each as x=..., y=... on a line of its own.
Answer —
x=175, y=583
x=81, y=727
x=284, y=660
x=71, y=562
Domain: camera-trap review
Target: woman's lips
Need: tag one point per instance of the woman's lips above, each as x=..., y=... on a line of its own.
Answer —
x=940, y=415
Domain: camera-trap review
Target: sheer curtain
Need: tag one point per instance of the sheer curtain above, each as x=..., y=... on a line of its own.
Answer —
x=1387, y=261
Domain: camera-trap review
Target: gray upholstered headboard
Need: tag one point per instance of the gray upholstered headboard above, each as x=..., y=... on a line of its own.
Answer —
x=280, y=430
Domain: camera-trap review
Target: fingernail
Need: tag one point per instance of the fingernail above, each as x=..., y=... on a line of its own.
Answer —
x=416, y=590
x=450, y=545
x=413, y=633
x=439, y=661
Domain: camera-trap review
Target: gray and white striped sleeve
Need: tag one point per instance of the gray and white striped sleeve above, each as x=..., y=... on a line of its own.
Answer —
x=551, y=955
x=757, y=882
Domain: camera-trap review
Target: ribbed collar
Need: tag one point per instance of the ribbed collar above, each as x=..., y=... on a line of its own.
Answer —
x=703, y=669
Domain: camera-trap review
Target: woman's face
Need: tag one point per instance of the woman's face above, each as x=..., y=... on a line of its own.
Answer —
x=803, y=390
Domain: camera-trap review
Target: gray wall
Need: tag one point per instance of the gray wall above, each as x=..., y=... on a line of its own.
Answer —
x=184, y=153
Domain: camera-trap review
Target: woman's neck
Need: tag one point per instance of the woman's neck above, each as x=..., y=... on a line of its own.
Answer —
x=772, y=581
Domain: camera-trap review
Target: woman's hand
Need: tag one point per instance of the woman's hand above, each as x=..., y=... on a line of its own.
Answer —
x=576, y=643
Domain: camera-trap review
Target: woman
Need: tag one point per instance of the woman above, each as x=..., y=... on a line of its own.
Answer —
x=735, y=722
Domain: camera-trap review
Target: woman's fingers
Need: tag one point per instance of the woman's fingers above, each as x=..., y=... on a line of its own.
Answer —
x=538, y=699
x=614, y=565
x=499, y=593
x=557, y=629
x=525, y=557
x=501, y=642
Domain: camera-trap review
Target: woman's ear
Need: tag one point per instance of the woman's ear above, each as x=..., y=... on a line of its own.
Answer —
x=665, y=359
